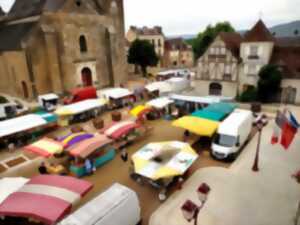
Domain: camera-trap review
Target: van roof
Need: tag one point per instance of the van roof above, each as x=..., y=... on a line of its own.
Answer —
x=100, y=206
x=233, y=121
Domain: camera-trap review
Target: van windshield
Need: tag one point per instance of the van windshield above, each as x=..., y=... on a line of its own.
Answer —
x=225, y=140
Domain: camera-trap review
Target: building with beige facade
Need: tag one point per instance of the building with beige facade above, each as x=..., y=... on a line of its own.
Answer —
x=57, y=45
x=172, y=53
x=232, y=63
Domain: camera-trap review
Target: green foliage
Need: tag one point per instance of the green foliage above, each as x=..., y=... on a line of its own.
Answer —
x=269, y=83
x=205, y=38
x=249, y=95
x=142, y=53
x=3, y=100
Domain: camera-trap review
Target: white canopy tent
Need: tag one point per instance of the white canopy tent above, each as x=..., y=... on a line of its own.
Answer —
x=200, y=100
x=162, y=86
x=10, y=185
x=110, y=207
x=178, y=84
x=80, y=107
x=20, y=124
x=115, y=93
x=160, y=103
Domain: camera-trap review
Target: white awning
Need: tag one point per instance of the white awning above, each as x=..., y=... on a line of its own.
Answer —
x=100, y=207
x=49, y=97
x=10, y=185
x=115, y=93
x=80, y=107
x=160, y=103
x=20, y=124
x=161, y=86
x=198, y=99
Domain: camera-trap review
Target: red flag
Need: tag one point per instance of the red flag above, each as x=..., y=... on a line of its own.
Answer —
x=288, y=135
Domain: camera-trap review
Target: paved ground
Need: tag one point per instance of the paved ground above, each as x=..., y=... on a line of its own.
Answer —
x=239, y=196
x=117, y=171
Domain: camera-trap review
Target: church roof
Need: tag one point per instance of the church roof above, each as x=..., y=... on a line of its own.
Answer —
x=11, y=36
x=259, y=33
x=177, y=44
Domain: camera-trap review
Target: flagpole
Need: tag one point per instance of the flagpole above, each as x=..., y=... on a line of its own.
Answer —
x=255, y=164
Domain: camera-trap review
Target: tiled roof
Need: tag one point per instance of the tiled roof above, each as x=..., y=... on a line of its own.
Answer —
x=177, y=44
x=232, y=41
x=259, y=33
x=11, y=36
x=147, y=31
x=288, y=58
x=288, y=41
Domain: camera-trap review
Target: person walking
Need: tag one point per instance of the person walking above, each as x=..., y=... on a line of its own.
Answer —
x=124, y=154
x=88, y=166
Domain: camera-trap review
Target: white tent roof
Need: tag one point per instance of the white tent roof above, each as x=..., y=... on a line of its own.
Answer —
x=160, y=103
x=97, y=208
x=81, y=107
x=10, y=185
x=19, y=124
x=166, y=73
x=50, y=96
x=198, y=99
x=115, y=93
x=161, y=86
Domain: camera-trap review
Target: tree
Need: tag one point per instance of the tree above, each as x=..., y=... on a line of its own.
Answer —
x=142, y=53
x=205, y=38
x=269, y=83
x=296, y=32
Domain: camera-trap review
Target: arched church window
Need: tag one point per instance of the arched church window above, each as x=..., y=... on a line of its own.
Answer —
x=83, y=44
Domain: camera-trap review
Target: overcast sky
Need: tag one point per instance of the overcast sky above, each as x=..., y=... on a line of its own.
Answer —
x=192, y=16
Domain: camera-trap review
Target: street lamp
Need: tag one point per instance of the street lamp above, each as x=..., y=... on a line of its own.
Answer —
x=190, y=210
x=260, y=122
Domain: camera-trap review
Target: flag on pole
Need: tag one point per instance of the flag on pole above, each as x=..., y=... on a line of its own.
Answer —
x=288, y=134
x=280, y=119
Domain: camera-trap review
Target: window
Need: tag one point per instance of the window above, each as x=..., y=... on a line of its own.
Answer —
x=253, y=52
x=252, y=69
x=82, y=44
x=223, y=51
x=78, y=3
x=212, y=51
x=217, y=51
x=159, y=43
x=227, y=69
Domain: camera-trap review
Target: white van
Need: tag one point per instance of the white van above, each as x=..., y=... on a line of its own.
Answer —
x=118, y=205
x=232, y=134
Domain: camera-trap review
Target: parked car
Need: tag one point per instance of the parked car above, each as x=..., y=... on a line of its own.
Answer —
x=232, y=134
x=80, y=94
x=119, y=205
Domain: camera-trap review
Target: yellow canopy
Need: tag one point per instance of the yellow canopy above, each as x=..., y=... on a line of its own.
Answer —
x=181, y=157
x=136, y=111
x=202, y=127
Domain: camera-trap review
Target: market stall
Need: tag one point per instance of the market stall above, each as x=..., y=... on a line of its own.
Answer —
x=117, y=97
x=97, y=149
x=210, y=115
x=123, y=132
x=141, y=111
x=45, y=147
x=160, y=163
x=48, y=102
x=46, y=199
x=163, y=88
x=21, y=129
x=222, y=107
x=80, y=111
x=74, y=138
x=199, y=126
x=163, y=105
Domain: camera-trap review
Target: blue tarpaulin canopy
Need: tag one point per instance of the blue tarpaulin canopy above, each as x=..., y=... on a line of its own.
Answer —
x=210, y=115
x=221, y=107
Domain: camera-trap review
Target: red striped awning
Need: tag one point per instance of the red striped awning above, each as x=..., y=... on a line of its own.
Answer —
x=118, y=130
x=45, y=198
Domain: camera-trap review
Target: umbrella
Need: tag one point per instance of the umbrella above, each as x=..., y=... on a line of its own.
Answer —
x=164, y=159
x=140, y=110
x=75, y=138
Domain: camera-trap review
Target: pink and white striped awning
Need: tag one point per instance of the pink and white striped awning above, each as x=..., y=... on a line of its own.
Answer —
x=118, y=130
x=45, y=198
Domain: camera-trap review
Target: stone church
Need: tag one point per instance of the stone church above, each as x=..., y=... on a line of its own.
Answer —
x=57, y=45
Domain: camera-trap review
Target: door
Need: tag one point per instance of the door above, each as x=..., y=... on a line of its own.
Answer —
x=215, y=89
x=25, y=89
x=86, y=76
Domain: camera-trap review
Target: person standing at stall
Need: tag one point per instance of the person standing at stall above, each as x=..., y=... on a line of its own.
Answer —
x=88, y=166
x=124, y=154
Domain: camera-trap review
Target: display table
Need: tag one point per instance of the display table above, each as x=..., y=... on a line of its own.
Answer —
x=59, y=169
